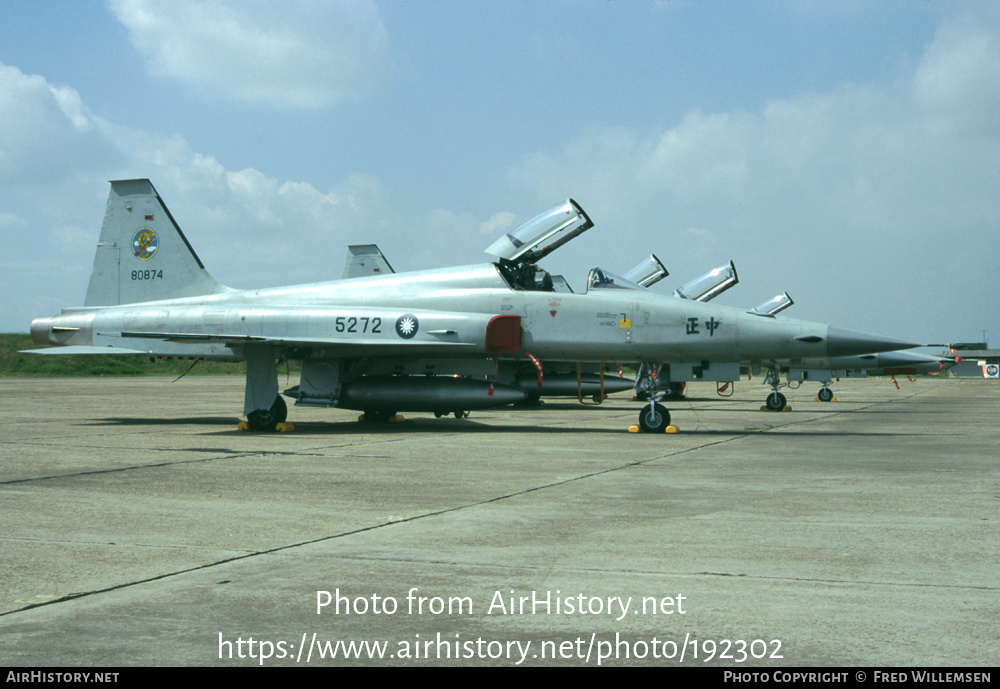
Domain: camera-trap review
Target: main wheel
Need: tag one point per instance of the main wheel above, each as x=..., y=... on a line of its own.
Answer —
x=531, y=399
x=655, y=419
x=776, y=401
x=825, y=394
x=268, y=419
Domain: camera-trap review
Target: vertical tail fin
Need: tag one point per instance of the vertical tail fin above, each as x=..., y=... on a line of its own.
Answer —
x=364, y=260
x=142, y=254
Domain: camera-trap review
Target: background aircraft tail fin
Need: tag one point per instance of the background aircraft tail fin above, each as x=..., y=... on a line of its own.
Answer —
x=142, y=254
x=364, y=260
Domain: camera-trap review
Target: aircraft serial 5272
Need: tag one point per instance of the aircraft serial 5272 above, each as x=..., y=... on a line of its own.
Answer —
x=394, y=342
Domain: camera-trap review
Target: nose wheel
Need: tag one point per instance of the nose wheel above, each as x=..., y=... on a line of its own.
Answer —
x=825, y=394
x=775, y=401
x=654, y=418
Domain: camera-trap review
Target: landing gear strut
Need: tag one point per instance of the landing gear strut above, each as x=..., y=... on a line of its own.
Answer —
x=654, y=417
x=262, y=388
x=674, y=391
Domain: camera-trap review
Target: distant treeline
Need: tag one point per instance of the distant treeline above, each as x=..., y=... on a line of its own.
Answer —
x=16, y=365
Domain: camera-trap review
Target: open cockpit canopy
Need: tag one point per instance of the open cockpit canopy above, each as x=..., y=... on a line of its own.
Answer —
x=542, y=234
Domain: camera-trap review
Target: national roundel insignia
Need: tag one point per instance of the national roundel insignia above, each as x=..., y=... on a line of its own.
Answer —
x=406, y=326
x=144, y=243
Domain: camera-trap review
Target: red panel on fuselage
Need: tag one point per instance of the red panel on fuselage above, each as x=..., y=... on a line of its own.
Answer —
x=503, y=335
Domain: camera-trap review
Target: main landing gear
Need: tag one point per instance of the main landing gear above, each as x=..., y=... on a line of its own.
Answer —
x=825, y=394
x=262, y=388
x=458, y=414
x=268, y=419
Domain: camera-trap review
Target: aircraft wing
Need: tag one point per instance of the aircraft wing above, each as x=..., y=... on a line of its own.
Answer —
x=231, y=340
x=83, y=349
x=340, y=332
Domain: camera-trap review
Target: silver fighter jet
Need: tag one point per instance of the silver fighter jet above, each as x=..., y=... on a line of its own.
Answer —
x=890, y=364
x=392, y=342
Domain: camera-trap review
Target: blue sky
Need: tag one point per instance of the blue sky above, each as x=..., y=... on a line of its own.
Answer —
x=847, y=152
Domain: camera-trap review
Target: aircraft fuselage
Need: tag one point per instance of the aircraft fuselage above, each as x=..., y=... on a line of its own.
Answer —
x=450, y=310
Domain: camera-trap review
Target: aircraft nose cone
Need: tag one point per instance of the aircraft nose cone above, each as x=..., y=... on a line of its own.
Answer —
x=841, y=342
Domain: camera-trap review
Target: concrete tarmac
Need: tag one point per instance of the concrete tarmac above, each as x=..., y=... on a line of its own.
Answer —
x=139, y=527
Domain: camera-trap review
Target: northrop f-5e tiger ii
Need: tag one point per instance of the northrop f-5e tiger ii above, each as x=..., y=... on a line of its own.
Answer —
x=390, y=343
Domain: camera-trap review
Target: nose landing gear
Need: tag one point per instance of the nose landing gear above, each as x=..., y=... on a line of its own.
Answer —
x=775, y=401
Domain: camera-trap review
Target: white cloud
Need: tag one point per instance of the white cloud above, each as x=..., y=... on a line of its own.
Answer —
x=250, y=228
x=10, y=222
x=497, y=224
x=598, y=168
x=293, y=54
x=959, y=75
x=703, y=152
x=461, y=231
x=47, y=131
